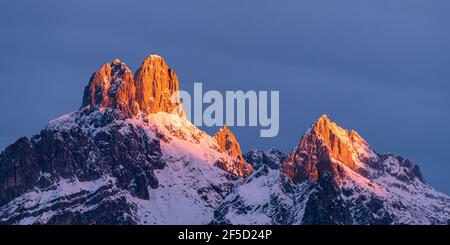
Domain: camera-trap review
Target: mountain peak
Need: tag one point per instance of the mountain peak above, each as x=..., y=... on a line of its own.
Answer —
x=324, y=123
x=157, y=87
x=154, y=56
x=229, y=145
x=225, y=128
x=154, y=61
x=330, y=132
x=111, y=86
x=117, y=61
x=153, y=89
x=324, y=147
x=324, y=117
x=227, y=141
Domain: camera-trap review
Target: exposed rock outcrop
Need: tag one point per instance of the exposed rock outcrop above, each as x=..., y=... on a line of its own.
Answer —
x=126, y=158
x=332, y=177
x=112, y=86
x=153, y=89
x=157, y=87
x=327, y=148
x=229, y=145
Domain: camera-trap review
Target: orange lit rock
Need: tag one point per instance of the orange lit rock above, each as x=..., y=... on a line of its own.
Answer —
x=156, y=84
x=112, y=86
x=337, y=140
x=324, y=149
x=153, y=89
x=229, y=145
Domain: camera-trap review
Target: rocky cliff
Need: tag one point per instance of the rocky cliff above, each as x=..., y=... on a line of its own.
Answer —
x=229, y=145
x=333, y=176
x=129, y=156
x=124, y=157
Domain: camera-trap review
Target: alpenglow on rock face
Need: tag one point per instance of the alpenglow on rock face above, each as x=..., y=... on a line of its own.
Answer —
x=122, y=158
x=229, y=145
x=328, y=149
x=333, y=176
x=125, y=157
x=153, y=89
x=156, y=85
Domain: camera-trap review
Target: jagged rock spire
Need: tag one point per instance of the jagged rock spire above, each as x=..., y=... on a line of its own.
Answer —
x=327, y=148
x=153, y=89
x=227, y=141
x=156, y=86
x=111, y=86
x=323, y=147
x=228, y=144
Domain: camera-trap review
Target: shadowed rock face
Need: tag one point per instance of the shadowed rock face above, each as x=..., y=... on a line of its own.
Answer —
x=52, y=155
x=325, y=156
x=130, y=157
x=332, y=177
x=324, y=206
x=228, y=144
x=272, y=158
x=153, y=89
x=112, y=162
x=99, y=164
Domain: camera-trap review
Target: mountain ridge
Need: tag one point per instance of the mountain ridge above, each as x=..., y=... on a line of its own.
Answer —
x=129, y=156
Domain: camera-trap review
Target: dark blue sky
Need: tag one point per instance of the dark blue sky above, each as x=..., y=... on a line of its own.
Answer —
x=379, y=67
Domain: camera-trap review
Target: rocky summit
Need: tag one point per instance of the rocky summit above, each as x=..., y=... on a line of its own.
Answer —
x=333, y=176
x=129, y=156
x=229, y=145
x=153, y=88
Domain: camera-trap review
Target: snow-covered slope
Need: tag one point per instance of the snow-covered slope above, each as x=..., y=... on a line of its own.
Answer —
x=109, y=162
x=266, y=197
x=333, y=176
x=187, y=189
x=129, y=156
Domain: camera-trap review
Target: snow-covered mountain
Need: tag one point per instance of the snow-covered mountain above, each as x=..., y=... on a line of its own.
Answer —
x=129, y=156
x=333, y=176
x=113, y=162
